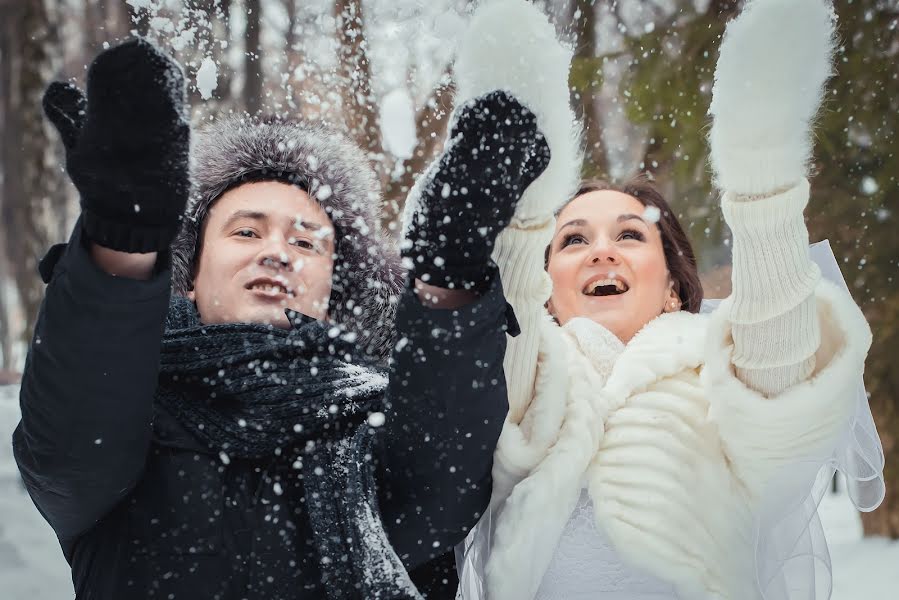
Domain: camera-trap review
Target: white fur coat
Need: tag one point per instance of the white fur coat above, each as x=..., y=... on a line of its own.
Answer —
x=676, y=452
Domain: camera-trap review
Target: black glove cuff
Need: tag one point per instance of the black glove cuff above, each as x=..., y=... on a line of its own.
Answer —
x=129, y=237
x=472, y=277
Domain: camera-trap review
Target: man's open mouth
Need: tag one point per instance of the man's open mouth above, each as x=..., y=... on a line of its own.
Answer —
x=270, y=286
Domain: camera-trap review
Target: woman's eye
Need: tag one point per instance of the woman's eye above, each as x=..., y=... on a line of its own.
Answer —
x=248, y=233
x=572, y=238
x=631, y=234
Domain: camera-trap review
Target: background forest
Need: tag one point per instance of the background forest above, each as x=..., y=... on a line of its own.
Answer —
x=381, y=70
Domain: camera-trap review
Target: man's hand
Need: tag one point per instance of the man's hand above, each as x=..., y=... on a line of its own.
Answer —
x=494, y=152
x=127, y=150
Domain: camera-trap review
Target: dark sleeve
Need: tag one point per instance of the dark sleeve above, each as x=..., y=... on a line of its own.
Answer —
x=88, y=387
x=446, y=404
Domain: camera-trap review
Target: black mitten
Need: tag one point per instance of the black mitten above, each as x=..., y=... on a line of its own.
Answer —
x=494, y=153
x=127, y=146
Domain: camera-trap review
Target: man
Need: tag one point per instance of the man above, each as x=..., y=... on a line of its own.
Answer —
x=240, y=439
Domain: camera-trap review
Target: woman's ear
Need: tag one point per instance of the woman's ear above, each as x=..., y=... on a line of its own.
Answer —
x=672, y=299
x=192, y=296
x=551, y=311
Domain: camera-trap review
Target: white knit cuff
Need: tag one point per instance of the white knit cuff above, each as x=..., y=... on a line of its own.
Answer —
x=754, y=171
x=772, y=270
x=787, y=339
x=771, y=382
x=519, y=254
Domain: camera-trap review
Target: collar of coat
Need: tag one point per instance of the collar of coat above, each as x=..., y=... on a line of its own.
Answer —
x=666, y=345
x=552, y=447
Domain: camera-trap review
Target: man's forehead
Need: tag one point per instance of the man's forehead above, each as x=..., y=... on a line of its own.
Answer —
x=271, y=201
x=297, y=220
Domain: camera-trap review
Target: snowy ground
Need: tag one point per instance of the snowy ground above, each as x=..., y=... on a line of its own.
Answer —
x=32, y=566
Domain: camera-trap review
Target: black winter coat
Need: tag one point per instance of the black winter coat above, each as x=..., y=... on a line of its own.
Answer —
x=143, y=510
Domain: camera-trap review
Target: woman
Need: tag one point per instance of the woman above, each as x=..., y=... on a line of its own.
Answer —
x=652, y=452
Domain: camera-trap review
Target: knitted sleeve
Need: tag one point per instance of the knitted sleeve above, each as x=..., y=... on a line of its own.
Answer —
x=774, y=317
x=519, y=254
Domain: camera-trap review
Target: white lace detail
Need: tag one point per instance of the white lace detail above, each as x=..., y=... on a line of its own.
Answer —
x=586, y=566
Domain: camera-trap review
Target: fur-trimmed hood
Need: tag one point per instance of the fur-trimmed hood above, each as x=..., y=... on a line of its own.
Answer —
x=334, y=172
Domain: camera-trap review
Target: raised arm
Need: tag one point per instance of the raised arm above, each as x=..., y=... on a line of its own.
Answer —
x=769, y=85
x=528, y=61
x=89, y=381
x=447, y=393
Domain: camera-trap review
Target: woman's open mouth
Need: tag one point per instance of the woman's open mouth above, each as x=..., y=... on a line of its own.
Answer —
x=606, y=287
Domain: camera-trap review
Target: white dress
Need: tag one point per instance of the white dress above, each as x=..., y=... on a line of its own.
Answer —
x=586, y=566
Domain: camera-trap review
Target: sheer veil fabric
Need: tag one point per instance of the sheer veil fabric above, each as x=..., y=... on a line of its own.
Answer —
x=792, y=558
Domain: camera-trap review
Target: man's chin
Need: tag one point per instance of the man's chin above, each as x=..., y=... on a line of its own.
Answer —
x=274, y=316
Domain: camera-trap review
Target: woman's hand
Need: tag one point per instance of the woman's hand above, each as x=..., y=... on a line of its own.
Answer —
x=769, y=83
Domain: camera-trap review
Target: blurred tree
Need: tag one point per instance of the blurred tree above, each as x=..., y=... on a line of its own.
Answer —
x=253, y=76
x=586, y=81
x=33, y=192
x=360, y=117
x=359, y=106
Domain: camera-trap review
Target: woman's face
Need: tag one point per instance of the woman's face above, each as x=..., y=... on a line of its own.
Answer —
x=607, y=264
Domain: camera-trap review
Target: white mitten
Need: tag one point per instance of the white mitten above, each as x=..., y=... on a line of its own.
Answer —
x=769, y=83
x=511, y=45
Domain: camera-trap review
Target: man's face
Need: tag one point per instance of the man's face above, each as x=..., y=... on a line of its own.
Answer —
x=266, y=246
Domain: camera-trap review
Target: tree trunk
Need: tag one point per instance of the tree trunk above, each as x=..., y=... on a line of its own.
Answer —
x=290, y=38
x=882, y=381
x=431, y=123
x=360, y=114
x=252, y=89
x=587, y=98
x=33, y=200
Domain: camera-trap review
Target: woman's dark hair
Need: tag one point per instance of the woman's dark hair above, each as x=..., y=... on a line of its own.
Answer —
x=679, y=256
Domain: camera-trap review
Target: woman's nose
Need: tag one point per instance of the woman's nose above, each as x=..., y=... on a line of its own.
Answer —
x=604, y=252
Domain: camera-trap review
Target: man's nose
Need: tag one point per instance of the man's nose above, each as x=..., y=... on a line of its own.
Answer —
x=276, y=253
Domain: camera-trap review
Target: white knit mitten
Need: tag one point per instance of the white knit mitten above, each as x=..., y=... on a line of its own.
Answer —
x=511, y=45
x=769, y=82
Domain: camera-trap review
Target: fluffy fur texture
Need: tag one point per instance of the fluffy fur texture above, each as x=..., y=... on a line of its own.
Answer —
x=681, y=464
x=367, y=274
x=769, y=83
x=510, y=45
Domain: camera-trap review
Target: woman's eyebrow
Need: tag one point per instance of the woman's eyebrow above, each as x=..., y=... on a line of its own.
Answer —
x=628, y=217
x=573, y=223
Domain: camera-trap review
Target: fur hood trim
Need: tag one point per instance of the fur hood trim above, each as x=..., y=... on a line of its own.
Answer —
x=367, y=275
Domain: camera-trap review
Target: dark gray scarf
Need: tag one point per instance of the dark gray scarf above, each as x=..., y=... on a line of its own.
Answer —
x=251, y=390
